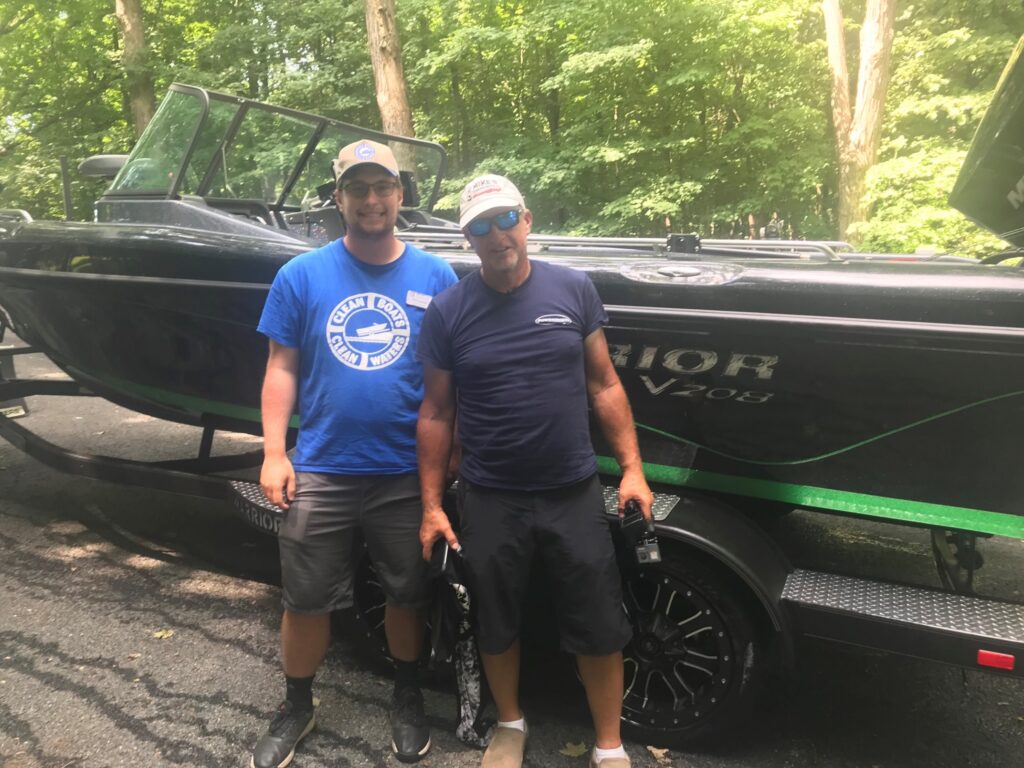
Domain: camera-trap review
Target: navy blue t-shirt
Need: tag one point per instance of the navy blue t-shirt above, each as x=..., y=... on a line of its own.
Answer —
x=518, y=367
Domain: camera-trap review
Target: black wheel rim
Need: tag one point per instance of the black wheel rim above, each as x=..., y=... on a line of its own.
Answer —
x=368, y=597
x=369, y=601
x=681, y=663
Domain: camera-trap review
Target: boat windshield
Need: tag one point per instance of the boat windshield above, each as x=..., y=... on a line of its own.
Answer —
x=223, y=147
x=153, y=165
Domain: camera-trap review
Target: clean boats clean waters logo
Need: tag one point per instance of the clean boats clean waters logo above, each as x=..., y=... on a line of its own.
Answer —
x=367, y=331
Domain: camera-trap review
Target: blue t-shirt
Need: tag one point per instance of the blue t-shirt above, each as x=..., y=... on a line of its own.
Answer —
x=518, y=366
x=355, y=326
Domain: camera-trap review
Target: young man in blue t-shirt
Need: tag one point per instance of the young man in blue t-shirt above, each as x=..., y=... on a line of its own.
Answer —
x=342, y=322
x=518, y=350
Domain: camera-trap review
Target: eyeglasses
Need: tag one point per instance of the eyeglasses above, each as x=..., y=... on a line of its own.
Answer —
x=360, y=189
x=503, y=221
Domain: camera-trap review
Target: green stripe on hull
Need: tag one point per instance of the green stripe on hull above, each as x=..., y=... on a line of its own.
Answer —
x=187, y=402
x=864, y=504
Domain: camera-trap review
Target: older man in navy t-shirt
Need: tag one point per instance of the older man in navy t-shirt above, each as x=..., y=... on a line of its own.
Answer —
x=518, y=350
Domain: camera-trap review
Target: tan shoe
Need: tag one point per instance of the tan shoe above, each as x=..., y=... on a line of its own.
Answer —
x=609, y=762
x=506, y=749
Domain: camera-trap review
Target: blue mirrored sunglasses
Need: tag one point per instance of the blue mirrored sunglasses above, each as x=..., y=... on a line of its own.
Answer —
x=503, y=221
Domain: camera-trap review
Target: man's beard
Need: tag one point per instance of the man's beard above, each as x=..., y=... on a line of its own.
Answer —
x=355, y=228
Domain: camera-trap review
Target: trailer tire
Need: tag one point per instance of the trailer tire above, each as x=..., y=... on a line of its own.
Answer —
x=697, y=658
x=363, y=626
x=365, y=621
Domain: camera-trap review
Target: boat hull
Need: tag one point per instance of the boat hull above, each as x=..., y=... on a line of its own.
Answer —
x=148, y=319
x=889, y=390
x=894, y=422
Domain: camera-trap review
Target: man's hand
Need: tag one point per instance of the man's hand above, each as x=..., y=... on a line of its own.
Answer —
x=634, y=486
x=435, y=525
x=277, y=479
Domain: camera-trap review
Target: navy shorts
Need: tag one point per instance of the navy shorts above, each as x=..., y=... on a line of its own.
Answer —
x=500, y=532
x=318, y=540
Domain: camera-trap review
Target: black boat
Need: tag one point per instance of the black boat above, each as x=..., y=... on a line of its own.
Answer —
x=793, y=373
x=762, y=374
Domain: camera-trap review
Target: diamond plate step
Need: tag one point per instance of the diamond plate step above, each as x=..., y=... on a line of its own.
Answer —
x=903, y=619
x=255, y=508
x=660, y=508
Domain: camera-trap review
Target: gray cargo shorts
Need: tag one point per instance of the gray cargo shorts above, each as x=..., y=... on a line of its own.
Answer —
x=318, y=540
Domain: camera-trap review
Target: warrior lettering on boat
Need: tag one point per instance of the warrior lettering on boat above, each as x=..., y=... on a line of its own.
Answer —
x=738, y=365
x=693, y=361
x=258, y=518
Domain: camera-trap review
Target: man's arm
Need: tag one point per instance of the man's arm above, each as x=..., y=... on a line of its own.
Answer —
x=280, y=389
x=611, y=407
x=434, y=438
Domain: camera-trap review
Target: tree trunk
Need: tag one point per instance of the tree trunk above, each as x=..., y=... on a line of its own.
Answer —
x=388, y=76
x=858, y=131
x=141, y=96
x=461, y=121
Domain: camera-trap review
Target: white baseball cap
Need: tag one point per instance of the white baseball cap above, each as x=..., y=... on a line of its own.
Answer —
x=364, y=152
x=487, y=193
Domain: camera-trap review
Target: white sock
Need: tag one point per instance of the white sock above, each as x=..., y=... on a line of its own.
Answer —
x=519, y=725
x=603, y=754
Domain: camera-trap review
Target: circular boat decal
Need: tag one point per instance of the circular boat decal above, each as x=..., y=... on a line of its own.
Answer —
x=367, y=331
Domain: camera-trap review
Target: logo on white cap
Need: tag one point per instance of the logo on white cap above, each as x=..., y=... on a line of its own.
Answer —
x=485, y=193
x=364, y=151
x=480, y=187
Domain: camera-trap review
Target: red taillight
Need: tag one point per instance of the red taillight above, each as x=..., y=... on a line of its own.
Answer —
x=996, y=660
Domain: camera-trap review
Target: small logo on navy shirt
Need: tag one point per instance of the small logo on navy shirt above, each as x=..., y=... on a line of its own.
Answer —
x=553, y=320
x=367, y=331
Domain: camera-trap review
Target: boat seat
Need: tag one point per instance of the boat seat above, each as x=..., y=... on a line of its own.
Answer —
x=410, y=189
x=318, y=223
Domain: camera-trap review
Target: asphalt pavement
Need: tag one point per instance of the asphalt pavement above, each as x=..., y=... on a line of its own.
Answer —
x=139, y=628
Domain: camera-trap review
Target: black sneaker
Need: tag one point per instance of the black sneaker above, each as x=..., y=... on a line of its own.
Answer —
x=276, y=747
x=410, y=734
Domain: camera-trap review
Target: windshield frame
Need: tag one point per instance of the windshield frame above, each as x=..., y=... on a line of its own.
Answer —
x=318, y=126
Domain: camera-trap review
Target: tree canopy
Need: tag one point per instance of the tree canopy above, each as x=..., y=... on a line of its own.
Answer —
x=703, y=116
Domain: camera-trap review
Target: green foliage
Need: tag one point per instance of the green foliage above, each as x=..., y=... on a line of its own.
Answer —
x=55, y=105
x=688, y=116
x=947, y=57
x=908, y=199
x=680, y=116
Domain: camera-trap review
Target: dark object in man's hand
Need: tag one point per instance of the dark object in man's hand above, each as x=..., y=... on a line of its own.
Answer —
x=639, y=534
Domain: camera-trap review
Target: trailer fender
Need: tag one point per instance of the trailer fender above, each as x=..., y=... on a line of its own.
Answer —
x=733, y=540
